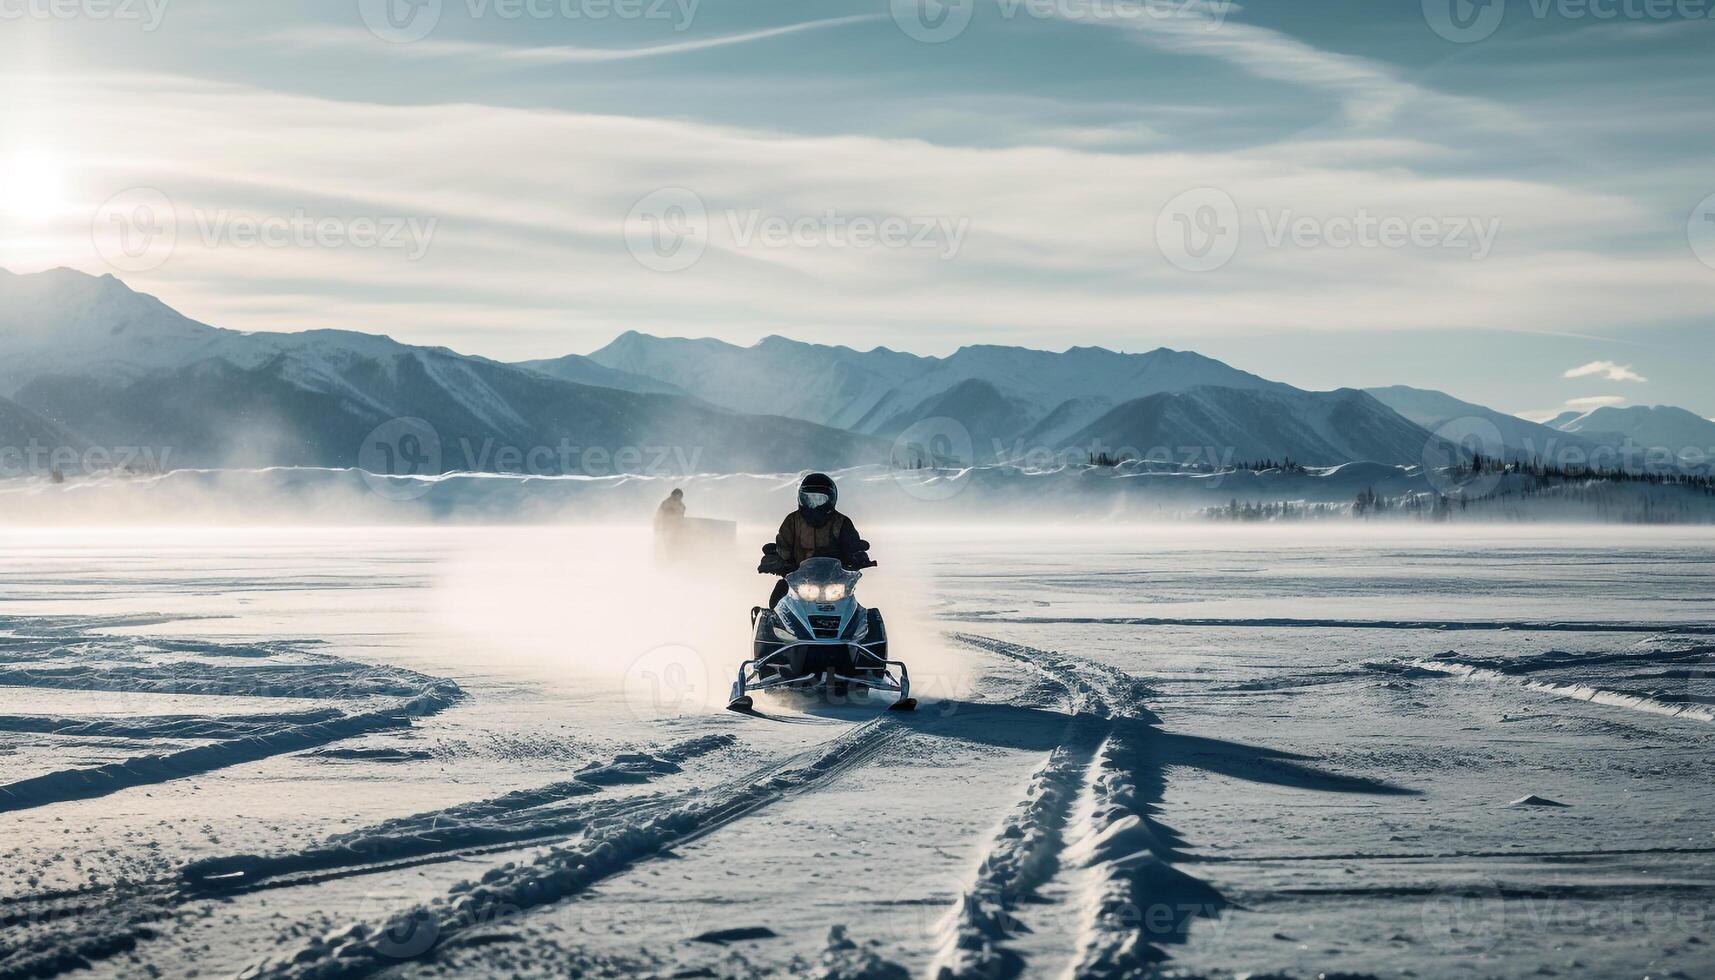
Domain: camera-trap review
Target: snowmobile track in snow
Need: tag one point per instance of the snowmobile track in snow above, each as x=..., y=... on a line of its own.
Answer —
x=52, y=933
x=1087, y=813
x=506, y=822
x=1574, y=691
x=1093, y=688
x=1593, y=677
x=1526, y=626
x=83, y=784
x=607, y=847
x=69, y=655
x=1023, y=854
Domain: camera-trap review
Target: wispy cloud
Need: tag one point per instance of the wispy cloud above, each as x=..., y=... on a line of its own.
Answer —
x=1606, y=369
x=530, y=260
x=550, y=54
x=1369, y=91
x=1574, y=405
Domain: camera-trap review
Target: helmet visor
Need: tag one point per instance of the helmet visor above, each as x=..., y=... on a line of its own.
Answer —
x=813, y=499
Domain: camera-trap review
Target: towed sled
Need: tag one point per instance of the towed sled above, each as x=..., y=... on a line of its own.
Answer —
x=818, y=640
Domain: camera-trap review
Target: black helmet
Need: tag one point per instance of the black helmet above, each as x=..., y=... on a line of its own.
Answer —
x=817, y=496
x=677, y=492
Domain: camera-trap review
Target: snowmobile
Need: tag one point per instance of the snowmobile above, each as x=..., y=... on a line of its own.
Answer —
x=818, y=640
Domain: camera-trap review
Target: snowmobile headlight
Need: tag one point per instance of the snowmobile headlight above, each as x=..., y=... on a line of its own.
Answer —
x=808, y=592
x=783, y=634
x=834, y=592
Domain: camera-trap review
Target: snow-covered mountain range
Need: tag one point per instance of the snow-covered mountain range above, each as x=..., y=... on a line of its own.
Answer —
x=1607, y=433
x=1245, y=425
x=1642, y=425
x=1012, y=401
x=120, y=368
x=997, y=392
x=1462, y=421
x=86, y=360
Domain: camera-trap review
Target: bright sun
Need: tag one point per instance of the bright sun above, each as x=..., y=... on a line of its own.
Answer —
x=32, y=186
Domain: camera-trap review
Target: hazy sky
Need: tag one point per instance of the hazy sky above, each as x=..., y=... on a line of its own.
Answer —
x=1479, y=199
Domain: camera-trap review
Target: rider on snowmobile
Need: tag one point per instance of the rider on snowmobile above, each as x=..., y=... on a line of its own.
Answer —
x=814, y=530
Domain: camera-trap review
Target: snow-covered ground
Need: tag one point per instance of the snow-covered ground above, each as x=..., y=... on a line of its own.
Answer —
x=1210, y=751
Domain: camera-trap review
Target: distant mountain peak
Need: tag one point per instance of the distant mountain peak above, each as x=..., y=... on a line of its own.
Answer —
x=1650, y=426
x=1319, y=427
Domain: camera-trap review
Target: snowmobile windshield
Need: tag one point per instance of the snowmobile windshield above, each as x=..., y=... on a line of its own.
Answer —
x=822, y=579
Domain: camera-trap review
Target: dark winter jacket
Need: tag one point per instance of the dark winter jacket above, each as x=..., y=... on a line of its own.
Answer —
x=669, y=513
x=799, y=540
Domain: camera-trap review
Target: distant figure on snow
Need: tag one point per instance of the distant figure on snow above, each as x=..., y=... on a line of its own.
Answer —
x=671, y=511
x=670, y=526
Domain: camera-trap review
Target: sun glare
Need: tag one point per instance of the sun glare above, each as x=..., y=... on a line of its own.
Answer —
x=32, y=186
